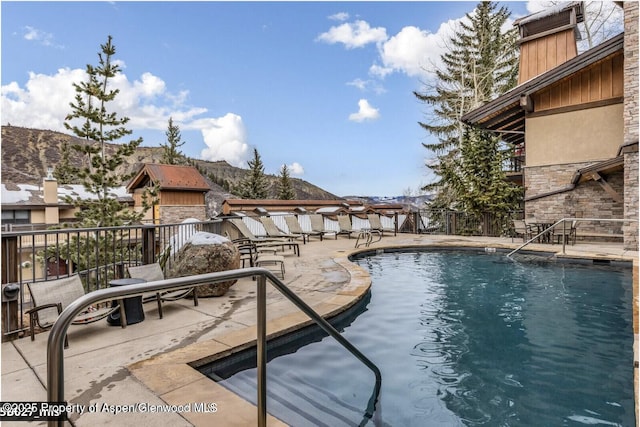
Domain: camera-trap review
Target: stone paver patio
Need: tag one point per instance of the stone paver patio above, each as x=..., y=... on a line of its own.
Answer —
x=148, y=363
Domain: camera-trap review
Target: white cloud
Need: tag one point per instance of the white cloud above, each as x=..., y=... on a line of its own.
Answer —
x=225, y=138
x=354, y=35
x=43, y=103
x=296, y=168
x=367, y=85
x=365, y=112
x=341, y=16
x=412, y=51
x=42, y=37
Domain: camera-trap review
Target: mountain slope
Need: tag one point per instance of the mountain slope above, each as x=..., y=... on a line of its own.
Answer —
x=27, y=153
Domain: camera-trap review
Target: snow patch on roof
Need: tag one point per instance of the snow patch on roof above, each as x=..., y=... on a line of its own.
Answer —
x=550, y=11
x=23, y=193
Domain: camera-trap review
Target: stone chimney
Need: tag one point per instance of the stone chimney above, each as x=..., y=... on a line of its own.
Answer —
x=548, y=38
x=50, y=190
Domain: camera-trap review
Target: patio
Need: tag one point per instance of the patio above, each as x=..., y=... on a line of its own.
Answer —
x=147, y=363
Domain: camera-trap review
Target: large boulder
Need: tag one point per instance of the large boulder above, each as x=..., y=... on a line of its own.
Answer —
x=206, y=253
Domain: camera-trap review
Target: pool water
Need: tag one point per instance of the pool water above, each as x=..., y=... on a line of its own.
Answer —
x=466, y=338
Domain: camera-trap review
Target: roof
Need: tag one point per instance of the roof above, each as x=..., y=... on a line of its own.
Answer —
x=552, y=11
x=505, y=115
x=170, y=177
x=32, y=196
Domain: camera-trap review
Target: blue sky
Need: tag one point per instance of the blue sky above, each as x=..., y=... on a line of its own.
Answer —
x=323, y=87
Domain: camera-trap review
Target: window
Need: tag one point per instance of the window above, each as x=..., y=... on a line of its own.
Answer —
x=16, y=217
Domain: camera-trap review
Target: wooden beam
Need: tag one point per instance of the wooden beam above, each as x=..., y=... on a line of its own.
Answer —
x=607, y=187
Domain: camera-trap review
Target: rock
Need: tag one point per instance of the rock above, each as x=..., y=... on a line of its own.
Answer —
x=206, y=253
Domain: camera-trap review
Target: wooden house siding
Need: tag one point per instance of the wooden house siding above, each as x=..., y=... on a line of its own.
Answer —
x=600, y=82
x=542, y=54
x=181, y=198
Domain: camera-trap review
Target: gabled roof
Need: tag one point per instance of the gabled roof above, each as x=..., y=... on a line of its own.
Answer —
x=169, y=177
x=504, y=114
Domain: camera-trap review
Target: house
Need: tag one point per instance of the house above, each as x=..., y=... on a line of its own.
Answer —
x=181, y=192
x=29, y=206
x=575, y=119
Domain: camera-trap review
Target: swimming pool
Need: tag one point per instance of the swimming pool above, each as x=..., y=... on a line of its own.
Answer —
x=466, y=338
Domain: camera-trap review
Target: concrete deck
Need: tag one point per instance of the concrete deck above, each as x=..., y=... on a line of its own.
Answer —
x=149, y=364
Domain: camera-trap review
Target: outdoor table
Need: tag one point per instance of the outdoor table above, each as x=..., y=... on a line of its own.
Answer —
x=133, y=310
x=542, y=226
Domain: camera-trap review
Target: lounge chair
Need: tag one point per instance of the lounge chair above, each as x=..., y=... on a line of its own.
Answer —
x=262, y=242
x=345, y=226
x=317, y=225
x=51, y=297
x=376, y=224
x=152, y=273
x=273, y=231
x=296, y=229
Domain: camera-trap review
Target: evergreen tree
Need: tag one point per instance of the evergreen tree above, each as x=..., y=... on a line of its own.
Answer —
x=254, y=185
x=285, y=187
x=91, y=120
x=99, y=127
x=479, y=65
x=171, y=155
x=63, y=171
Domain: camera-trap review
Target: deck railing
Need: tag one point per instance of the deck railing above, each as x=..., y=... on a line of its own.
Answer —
x=96, y=254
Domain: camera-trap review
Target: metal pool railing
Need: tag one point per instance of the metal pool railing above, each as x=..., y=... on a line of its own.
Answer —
x=55, y=350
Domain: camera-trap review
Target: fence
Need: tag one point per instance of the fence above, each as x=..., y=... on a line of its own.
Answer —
x=98, y=255
x=462, y=223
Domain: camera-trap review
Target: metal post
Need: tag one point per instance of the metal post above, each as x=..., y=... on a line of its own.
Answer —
x=564, y=235
x=261, y=349
x=148, y=244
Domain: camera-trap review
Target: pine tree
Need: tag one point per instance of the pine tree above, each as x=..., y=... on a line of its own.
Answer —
x=63, y=171
x=285, y=187
x=99, y=173
x=254, y=184
x=171, y=155
x=99, y=127
x=479, y=65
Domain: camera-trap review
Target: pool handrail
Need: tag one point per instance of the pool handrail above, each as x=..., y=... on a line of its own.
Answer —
x=563, y=221
x=55, y=358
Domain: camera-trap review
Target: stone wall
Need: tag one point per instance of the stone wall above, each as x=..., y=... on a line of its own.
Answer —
x=631, y=205
x=631, y=112
x=587, y=200
x=631, y=72
x=177, y=214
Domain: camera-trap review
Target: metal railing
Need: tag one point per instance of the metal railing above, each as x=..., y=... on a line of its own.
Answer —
x=564, y=221
x=96, y=254
x=55, y=357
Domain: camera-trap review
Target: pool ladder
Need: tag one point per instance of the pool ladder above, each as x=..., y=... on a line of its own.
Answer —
x=55, y=357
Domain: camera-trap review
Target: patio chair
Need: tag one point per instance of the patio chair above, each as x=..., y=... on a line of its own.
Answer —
x=51, y=297
x=262, y=242
x=376, y=224
x=296, y=229
x=317, y=225
x=566, y=235
x=152, y=273
x=345, y=226
x=258, y=256
x=521, y=229
x=273, y=231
